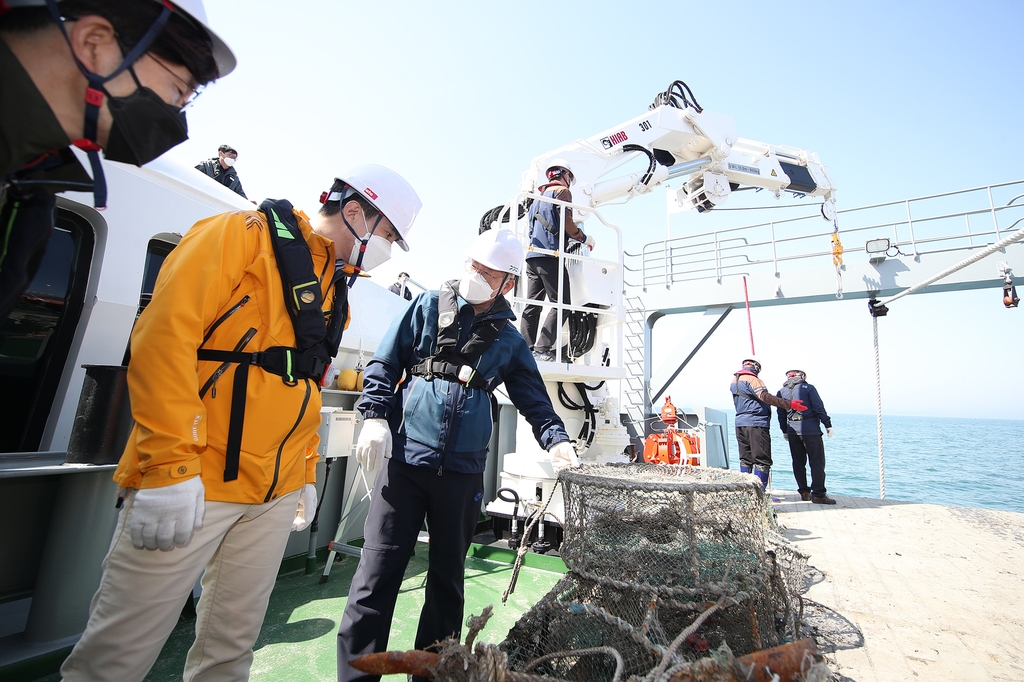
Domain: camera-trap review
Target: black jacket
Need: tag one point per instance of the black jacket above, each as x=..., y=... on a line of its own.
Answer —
x=396, y=289
x=225, y=176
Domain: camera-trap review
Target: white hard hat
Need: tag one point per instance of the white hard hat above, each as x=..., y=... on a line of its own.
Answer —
x=498, y=250
x=560, y=164
x=753, y=362
x=389, y=193
x=222, y=54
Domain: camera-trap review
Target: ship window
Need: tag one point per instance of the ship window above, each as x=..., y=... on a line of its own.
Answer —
x=36, y=337
x=159, y=247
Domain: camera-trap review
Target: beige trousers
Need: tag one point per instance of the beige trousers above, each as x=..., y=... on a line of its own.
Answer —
x=142, y=592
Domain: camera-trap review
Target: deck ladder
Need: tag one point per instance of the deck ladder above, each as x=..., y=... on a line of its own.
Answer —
x=633, y=391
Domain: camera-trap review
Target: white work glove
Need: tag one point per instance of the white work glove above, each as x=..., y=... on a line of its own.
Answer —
x=563, y=455
x=161, y=518
x=589, y=241
x=829, y=430
x=306, y=509
x=786, y=435
x=374, y=444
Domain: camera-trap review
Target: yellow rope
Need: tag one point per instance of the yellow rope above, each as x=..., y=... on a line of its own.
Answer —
x=837, y=249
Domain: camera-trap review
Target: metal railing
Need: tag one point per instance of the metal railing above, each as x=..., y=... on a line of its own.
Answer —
x=917, y=226
x=612, y=315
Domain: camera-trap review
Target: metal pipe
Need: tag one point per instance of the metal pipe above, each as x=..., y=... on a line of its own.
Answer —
x=686, y=168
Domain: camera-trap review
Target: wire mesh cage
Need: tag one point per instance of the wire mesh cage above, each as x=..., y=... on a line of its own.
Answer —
x=649, y=549
x=666, y=525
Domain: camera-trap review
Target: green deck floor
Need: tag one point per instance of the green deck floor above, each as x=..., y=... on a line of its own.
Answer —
x=297, y=641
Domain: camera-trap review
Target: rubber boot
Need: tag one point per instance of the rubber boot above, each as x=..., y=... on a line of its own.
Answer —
x=745, y=469
x=762, y=473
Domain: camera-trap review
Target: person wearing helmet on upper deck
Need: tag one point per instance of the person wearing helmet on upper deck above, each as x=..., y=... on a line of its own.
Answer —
x=753, y=416
x=222, y=169
x=803, y=432
x=110, y=75
x=542, y=269
x=224, y=381
x=428, y=435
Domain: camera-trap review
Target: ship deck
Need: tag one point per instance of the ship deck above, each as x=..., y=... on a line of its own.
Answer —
x=298, y=639
x=896, y=591
x=902, y=591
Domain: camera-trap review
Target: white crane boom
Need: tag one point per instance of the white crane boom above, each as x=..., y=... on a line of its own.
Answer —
x=679, y=138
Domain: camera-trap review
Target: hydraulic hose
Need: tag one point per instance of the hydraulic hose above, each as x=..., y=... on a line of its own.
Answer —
x=513, y=537
x=652, y=164
x=314, y=526
x=589, y=429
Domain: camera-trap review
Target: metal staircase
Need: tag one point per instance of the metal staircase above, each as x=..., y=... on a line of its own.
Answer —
x=633, y=360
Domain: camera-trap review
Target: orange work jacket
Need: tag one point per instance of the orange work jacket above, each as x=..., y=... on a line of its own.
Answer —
x=219, y=287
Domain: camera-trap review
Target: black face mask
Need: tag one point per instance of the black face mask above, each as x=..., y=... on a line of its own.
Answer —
x=144, y=126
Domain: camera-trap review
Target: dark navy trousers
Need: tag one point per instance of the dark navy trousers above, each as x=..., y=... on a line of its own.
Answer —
x=808, y=449
x=403, y=496
x=541, y=281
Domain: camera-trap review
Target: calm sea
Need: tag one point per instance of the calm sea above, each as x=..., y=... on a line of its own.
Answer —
x=963, y=462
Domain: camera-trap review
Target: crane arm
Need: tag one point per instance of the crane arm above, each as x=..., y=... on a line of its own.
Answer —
x=681, y=139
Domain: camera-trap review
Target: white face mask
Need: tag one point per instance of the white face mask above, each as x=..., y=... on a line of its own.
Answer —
x=228, y=161
x=474, y=288
x=378, y=250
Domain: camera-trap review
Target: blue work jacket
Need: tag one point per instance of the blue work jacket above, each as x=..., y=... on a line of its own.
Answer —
x=540, y=236
x=750, y=411
x=808, y=422
x=441, y=423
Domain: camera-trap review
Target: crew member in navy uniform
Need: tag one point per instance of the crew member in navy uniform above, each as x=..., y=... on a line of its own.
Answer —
x=222, y=169
x=110, y=75
x=400, y=288
x=803, y=431
x=753, y=413
x=430, y=431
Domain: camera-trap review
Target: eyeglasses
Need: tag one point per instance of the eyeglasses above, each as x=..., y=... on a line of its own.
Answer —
x=195, y=91
x=493, y=278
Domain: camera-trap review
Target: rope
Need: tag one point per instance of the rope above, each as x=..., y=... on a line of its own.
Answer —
x=878, y=412
x=526, y=542
x=837, y=259
x=620, y=665
x=750, y=326
x=984, y=253
x=681, y=637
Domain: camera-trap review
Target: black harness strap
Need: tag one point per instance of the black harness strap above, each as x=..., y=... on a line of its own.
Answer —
x=279, y=360
x=459, y=364
x=316, y=339
x=234, y=447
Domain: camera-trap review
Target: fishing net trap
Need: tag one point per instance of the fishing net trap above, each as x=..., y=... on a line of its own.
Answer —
x=667, y=563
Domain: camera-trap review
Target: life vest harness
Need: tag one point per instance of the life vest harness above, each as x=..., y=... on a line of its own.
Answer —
x=552, y=225
x=316, y=339
x=449, y=361
x=792, y=415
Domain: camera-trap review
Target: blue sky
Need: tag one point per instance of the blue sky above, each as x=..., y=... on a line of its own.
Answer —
x=899, y=100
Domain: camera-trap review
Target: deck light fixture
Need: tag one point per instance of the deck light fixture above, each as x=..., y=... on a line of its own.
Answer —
x=876, y=248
